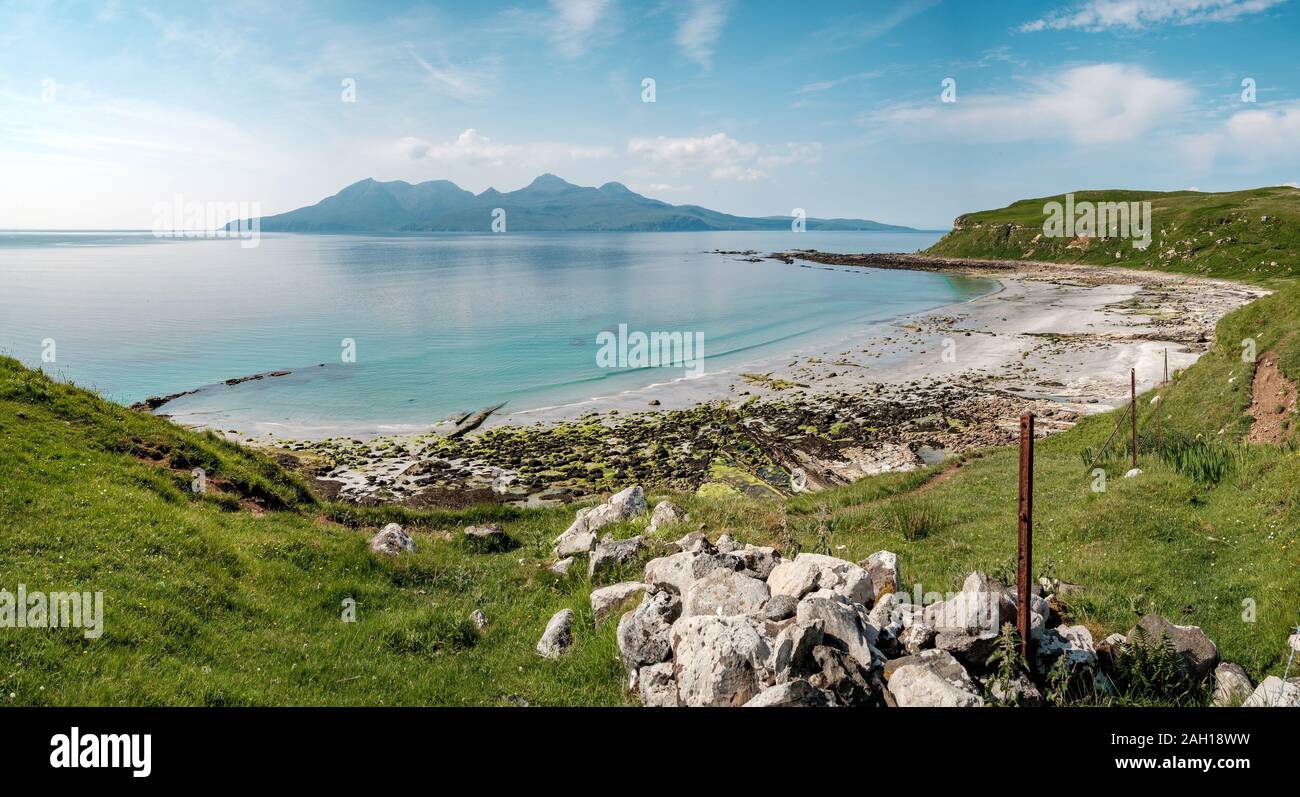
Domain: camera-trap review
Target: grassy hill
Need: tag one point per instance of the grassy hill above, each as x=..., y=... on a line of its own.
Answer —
x=234, y=596
x=1252, y=235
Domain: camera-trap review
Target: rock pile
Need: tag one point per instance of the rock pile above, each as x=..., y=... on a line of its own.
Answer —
x=723, y=624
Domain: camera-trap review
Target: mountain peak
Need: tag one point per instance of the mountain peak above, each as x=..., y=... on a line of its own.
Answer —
x=613, y=187
x=549, y=183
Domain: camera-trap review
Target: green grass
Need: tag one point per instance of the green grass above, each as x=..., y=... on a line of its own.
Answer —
x=210, y=602
x=1252, y=235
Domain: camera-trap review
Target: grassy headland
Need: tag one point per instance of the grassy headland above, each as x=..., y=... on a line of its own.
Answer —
x=1248, y=235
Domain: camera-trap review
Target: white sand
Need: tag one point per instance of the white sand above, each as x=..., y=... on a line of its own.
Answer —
x=1010, y=346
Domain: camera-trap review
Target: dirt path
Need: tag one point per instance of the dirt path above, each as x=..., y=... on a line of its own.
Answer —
x=1273, y=401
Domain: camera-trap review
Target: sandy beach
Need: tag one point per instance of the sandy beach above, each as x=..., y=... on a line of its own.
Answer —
x=1059, y=340
x=1063, y=333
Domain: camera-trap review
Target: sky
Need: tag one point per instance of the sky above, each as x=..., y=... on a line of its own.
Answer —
x=839, y=108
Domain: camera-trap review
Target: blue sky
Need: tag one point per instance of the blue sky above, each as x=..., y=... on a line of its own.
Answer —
x=108, y=108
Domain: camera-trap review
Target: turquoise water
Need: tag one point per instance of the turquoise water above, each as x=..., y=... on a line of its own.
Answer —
x=441, y=323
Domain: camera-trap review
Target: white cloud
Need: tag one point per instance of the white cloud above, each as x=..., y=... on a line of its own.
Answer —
x=576, y=24
x=1271, y=130
x=794, y=152
x=473, y=147
x=1258, y=136
x=658, y=188
x=699, y=26
x=1099, y=15
x=723, y=157
x=1090, y=104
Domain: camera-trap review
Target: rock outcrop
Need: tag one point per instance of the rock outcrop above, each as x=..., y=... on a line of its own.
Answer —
x=391, y=541
x=558, y=635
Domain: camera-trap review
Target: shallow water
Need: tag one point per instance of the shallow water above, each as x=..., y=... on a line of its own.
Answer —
x=441, y=323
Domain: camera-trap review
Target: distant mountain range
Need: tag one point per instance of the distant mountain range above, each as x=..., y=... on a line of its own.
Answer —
x=547, y=204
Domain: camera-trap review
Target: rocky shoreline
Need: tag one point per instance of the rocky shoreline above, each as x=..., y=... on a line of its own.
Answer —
x=1057, y=340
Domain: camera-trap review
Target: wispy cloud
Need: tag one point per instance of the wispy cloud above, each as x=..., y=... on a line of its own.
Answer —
x=1091, y=104
x=699, y=26
x=460, y=82
x=1099, y=15
x=473, y=147
x=576, y=25
x=858, y=29
x=826, y=85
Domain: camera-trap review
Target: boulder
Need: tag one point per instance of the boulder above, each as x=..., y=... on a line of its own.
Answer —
x=1199, y=653
x=490, y=537
x=753, y=560
x=623, y=505
x=391, y=541
x=843, y=677
x=577, y=538
x=479, y=619
x=627, y=503
x=1232, y=687
x=933, y=678
x=840, y=576
x=581, y=535
x=558, y=635
x=1073, y=642
x=888, y=615
x=916, y=638
x=719, y=661
x=796, y=578
x=882, y=569
x=657, y=686
x=842, y=622
x=643, y=633
x=1273, y=693
x=971, y=650
x=695, y=542
x=607, y=600
x=723, y=593
x=793, y=693
x=676, y=573
x=609, y=554
x=666, y=514
x=779, y=607
x=981, y=607
x=792, y=651
x=561, y=567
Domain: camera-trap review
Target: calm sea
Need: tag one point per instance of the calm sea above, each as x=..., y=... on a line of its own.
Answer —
x=439, y=324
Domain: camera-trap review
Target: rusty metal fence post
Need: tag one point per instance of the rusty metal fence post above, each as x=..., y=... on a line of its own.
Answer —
x=1133, y=411
x=1024, y=559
